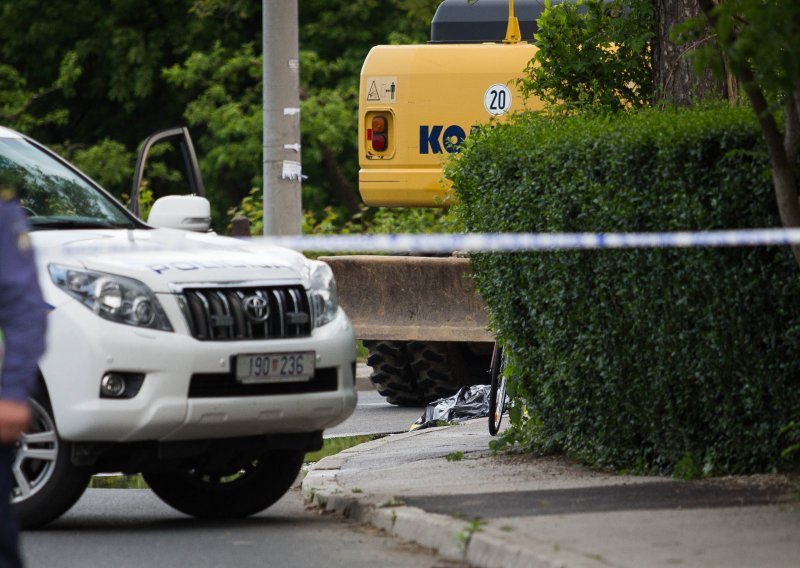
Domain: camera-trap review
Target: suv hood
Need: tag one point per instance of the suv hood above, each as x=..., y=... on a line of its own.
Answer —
x=160, y=257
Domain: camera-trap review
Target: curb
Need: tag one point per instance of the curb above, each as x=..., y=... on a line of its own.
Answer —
x=452, y=538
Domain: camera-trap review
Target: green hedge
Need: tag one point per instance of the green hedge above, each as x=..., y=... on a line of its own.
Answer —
x=681, y=361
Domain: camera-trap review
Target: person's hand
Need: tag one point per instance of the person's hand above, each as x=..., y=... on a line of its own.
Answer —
x=14, y=419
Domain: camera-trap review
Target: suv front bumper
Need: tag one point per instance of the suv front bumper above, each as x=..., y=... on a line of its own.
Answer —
x=84, y=347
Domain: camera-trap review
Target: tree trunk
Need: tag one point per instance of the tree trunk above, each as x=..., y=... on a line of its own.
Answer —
x=673, y=76
x=781, y=148
x=783, y=178
x=344, y=189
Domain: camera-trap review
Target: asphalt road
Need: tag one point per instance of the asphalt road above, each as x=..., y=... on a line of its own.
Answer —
x=374, y=415
x=131, y=528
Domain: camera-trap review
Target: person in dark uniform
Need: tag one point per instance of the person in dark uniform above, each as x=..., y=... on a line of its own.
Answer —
x=22, y=322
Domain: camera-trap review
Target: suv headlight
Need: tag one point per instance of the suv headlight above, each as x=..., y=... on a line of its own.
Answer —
x=323, y=293
x=115, y=298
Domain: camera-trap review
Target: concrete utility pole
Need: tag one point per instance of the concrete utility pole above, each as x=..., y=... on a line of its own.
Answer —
x=282, y=173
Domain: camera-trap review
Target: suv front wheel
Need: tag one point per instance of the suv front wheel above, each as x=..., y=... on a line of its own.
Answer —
x=46, y=482
x=232, y=493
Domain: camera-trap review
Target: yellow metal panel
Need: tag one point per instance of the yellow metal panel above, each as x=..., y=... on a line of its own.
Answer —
x=436, y=95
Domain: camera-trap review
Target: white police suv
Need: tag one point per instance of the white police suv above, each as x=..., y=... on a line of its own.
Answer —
x=208, y=364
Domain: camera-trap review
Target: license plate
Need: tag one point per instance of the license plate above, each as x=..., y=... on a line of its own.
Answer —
x=275, y=367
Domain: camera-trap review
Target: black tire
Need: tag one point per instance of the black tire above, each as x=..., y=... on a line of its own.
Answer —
x=441, y=368
x=497, y=391
x=238, y=493
x=391, y=374
x=50, y=483
x=432, y=366
x=415, y=373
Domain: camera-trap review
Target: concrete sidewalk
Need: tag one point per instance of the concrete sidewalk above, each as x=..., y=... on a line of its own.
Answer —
x=441, y=488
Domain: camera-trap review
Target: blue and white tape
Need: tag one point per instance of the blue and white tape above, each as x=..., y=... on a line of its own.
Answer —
x=474, y=242
x=518, y=242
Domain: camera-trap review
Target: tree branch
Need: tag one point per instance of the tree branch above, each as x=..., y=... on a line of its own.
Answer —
x=783, y=178
x=791, y=138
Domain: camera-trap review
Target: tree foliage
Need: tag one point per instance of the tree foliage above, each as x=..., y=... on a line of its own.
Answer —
x=92, y=74
x=335, y=37
x=225, y=114
x=93, y=79
x=759, y=41
x=759, y=34
x=592, y=54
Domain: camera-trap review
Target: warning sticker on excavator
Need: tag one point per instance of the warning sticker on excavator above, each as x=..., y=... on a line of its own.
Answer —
x=382, y=90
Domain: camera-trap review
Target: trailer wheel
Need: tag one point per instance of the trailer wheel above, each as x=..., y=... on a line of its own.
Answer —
x=441, y=368
x=391, y=374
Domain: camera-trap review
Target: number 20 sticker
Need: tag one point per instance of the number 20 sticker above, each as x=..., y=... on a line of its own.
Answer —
x=497, y=99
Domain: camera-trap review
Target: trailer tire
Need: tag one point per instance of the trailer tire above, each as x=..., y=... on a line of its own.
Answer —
x=441, y=368
x=391, y=373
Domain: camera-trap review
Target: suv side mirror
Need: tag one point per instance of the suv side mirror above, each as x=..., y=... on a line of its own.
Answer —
x=186, y=212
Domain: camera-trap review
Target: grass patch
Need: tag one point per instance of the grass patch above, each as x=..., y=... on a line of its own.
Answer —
x=332, y=446
x=118, y=481
x=362, y=353
x=465, y=536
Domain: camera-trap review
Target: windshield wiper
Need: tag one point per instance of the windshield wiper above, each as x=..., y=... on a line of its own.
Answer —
x=45, y=223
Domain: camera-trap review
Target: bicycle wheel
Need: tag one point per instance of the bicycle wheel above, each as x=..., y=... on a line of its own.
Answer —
x=497, y=390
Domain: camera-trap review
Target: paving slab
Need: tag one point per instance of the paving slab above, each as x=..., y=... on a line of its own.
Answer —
x=443, y=488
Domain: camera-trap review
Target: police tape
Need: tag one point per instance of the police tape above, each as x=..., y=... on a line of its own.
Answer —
x=446, y=243
x=521, y=242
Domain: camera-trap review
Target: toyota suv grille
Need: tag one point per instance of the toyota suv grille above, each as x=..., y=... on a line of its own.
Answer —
x=247, y=313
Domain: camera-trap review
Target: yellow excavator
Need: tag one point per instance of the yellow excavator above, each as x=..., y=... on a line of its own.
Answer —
x=420, y=317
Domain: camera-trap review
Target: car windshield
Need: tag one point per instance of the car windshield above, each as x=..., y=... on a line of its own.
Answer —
x=52, y=194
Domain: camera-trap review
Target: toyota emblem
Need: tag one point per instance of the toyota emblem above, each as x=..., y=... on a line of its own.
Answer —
x=256, y=308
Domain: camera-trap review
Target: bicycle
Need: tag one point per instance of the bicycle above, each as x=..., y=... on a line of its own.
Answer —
x=497, y=389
